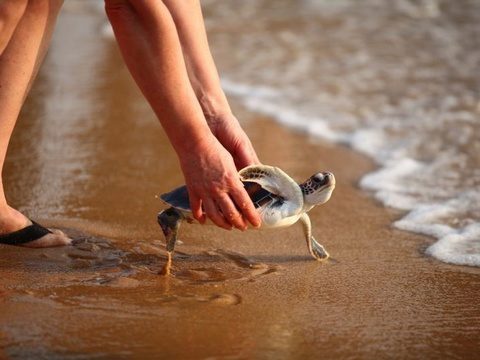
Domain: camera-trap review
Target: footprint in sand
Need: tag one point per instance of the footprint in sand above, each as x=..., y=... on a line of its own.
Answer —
x=219, y=266
x=102, y=273
x=125, y=301
x=93, y=253
x=223, y=299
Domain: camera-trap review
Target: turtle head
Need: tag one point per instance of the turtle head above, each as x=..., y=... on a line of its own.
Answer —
x=318, y=188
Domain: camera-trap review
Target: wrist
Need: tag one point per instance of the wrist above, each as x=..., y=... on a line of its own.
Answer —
x=214, y=105
x=190, y=146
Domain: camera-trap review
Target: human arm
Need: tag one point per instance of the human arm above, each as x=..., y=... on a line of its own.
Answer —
x=149, y=43
x=203, y=75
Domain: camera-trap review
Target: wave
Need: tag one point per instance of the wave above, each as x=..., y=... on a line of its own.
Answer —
x=458, y=235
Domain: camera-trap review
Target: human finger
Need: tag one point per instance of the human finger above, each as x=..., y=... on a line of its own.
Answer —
x=196, y=207
x=230, y=212
x=214, y=214
x=244, y=203
x=245, y=155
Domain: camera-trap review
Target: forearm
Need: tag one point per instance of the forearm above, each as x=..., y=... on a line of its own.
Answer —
x=187, y=15
x=149, y=43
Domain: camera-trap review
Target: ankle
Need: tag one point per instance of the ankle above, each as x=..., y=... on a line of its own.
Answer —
x=11, y=219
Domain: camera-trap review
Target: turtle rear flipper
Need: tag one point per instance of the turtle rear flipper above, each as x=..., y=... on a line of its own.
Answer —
x=169, y=220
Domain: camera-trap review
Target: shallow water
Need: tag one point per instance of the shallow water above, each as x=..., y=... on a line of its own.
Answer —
x=396, y=80
x=88, y=156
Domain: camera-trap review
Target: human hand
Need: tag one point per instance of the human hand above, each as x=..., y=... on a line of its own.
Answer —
x=214, y=185
x=228, y=131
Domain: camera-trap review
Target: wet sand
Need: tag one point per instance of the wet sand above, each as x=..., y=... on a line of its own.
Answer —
x=97, y=162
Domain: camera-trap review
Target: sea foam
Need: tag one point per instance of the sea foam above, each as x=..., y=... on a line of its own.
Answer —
x=405, y=94
x=391, y=183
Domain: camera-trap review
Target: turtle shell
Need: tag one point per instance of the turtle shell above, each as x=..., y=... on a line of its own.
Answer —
x=178, y=198
x=258, y=194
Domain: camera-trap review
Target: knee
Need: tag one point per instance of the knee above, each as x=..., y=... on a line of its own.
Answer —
x=43, y=8
x=118, y=11
x=10, y=14
x=55, y=6
x=113, y=7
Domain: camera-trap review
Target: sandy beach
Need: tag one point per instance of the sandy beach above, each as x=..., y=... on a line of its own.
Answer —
x=241, y=295
x=97, y=162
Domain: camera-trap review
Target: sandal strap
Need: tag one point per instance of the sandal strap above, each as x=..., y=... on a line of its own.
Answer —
x=25, y=235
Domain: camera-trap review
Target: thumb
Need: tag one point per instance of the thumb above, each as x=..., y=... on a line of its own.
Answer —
x=245, y=156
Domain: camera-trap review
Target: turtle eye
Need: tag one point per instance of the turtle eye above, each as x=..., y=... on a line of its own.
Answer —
x=318, y=178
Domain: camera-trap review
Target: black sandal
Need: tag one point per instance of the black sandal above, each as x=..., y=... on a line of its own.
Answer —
x=25, y=235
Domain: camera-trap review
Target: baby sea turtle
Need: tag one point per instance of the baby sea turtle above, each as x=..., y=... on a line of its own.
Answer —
x=279, y=200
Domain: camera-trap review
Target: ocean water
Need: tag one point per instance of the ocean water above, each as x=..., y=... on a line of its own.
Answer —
x=396, y=80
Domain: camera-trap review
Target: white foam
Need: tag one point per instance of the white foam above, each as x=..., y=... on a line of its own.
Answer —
x=401, y=182
x=368, y=141
x=424, y=219
x=459, y=247
x=388, y=183
x=267, y=101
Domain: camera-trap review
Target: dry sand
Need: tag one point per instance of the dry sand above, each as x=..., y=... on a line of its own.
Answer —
x=96, y=163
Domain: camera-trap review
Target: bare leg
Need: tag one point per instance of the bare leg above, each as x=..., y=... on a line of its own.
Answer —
x=10, y=15
x=26, y=32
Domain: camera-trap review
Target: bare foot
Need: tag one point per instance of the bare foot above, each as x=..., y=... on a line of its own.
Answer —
x=12, y=220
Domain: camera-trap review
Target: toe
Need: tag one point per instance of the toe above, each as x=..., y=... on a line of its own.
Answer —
x=58, y=232
x=56, y=238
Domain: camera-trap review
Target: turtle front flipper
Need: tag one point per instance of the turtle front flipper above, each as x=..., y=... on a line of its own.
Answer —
x=277, y=182
x=316, y=249
x=169, y=220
